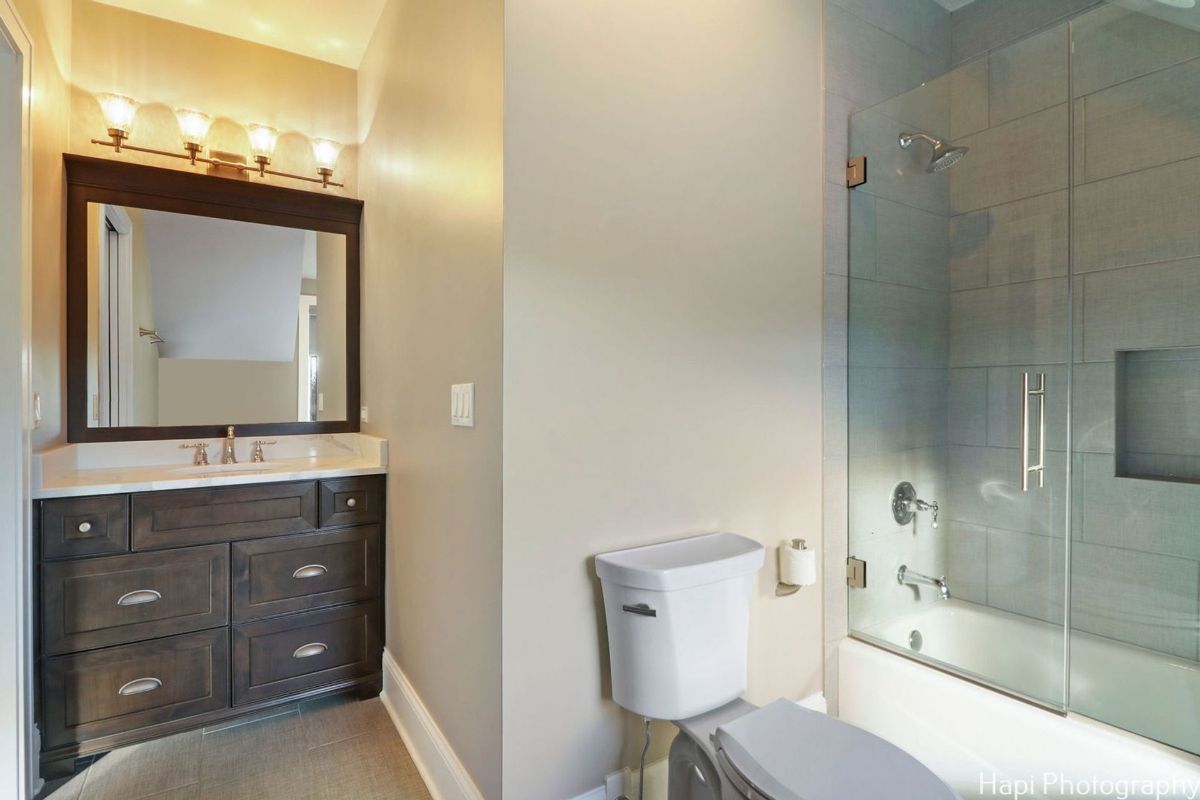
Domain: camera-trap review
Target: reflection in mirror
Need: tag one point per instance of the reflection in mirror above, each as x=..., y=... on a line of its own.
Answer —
x=201, y=321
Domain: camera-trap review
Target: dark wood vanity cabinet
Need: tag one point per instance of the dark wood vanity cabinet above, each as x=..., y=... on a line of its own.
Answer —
x=164, y=611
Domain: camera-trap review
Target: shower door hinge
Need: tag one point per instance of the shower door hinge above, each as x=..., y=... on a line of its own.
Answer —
x=856, y=171
x=856, y=573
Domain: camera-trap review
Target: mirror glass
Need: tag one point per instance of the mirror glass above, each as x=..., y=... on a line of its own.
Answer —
x=202, y=321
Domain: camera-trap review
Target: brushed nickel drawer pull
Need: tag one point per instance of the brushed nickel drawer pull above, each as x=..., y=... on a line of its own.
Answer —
x=138, y=597
x=311, y=571
x=84, y=527
x=309, y=650
x=139, y=686
x=351, y=503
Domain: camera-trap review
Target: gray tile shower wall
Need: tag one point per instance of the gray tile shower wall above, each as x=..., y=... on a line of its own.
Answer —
x=1136, y=568
x=986, y=25
x=874, y=50
x=1135, y=252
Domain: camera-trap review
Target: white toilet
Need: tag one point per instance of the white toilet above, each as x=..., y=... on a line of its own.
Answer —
x=678, y=627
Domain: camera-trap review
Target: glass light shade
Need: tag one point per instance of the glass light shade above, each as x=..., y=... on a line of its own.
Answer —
x=118, y=111
x=262, y=139
x=326, y=152
x=193, y=125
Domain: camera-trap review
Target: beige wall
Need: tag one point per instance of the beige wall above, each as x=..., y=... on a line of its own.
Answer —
x=95, y=225
x=200, y=391
x=49, y=25
x=331, y=324
x=430, y=92
x=662, y=333
x=145, y=352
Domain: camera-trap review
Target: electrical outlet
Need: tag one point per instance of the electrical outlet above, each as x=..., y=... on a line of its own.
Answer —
x=365, y=416
x=462, y=405
x=320, y=401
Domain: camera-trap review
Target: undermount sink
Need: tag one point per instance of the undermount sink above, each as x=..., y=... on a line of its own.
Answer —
x=221, y=469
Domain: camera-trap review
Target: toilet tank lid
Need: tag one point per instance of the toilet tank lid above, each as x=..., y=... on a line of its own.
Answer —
x=682, y=563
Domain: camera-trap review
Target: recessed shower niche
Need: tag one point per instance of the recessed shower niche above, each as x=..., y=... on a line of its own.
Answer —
x=1158, y=414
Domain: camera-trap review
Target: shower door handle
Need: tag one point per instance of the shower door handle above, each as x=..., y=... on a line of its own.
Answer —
x=1027, y=392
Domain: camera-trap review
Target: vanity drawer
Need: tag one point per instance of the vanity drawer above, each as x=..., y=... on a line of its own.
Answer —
x=97, y=602
x=85, y=526
x=289, y=654
x=352, y=501
x=117, y=689
x=199, y=516
x=298, y=573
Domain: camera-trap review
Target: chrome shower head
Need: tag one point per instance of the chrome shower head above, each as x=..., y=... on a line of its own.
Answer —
x=944, y=155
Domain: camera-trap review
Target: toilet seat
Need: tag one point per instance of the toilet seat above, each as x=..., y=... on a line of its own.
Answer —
x=785, y=752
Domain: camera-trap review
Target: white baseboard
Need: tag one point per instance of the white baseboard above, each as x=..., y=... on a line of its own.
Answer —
x=626, y=782
x=443, y=773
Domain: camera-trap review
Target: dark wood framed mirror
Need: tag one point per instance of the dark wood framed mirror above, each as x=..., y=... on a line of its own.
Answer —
x=197, y=301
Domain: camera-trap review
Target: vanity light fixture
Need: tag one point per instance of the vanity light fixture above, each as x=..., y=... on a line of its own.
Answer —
x=326, y=152
x=193, y=125
x=119, y=111
x=262, y=144
x=118, y=115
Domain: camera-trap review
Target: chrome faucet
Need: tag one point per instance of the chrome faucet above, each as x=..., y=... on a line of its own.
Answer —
x=906, y=504
x=908, y=577
x=228, y=455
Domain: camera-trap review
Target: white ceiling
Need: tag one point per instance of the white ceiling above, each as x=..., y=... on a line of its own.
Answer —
x=337, y=32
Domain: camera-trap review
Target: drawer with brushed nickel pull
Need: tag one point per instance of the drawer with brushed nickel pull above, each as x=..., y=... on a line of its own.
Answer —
x=97, y=602
x=103, y=692
x=298, y=573
x=84, y=526
x=282, y=655
x=351, y=501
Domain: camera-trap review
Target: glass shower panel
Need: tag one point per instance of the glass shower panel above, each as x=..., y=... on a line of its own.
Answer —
x=959, y=349
x=1135, y=556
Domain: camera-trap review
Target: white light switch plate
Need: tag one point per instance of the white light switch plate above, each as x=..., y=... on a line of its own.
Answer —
x=462, y=405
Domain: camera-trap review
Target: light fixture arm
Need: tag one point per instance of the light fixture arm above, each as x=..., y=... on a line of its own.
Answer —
x=119, y=142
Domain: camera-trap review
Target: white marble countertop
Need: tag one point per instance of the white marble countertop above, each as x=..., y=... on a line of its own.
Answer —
x=91, y=469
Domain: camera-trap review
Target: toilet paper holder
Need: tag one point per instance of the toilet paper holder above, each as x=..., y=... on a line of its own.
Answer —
x=797, y=568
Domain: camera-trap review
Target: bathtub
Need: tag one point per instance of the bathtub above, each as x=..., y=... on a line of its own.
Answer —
x=988, y=744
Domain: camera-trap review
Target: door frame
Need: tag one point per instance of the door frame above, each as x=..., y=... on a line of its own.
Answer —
x=18, y=749
x=115, y=373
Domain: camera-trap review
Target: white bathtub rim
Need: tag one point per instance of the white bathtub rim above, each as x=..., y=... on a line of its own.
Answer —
x=962, y=730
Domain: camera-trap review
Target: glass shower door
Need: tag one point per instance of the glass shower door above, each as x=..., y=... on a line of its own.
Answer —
x=959, y=351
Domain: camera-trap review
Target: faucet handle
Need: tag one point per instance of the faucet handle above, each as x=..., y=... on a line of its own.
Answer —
x=256, y=455
x=201, y=448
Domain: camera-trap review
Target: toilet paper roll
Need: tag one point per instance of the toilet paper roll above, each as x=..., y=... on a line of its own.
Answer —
x=797, y=567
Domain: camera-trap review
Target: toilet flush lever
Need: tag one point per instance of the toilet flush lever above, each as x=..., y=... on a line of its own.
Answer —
x=642, y=609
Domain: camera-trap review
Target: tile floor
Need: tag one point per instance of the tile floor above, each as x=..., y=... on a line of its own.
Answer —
x=336, y=748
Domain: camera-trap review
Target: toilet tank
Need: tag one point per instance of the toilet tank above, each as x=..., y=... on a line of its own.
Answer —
x=679, y=623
